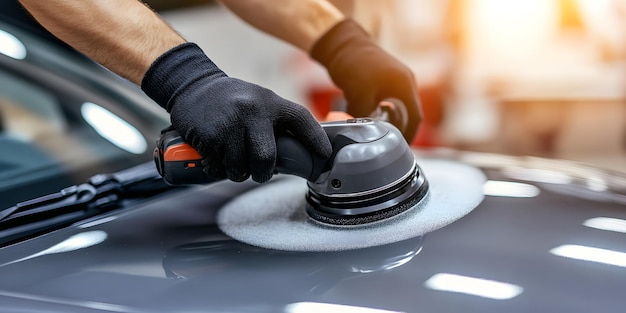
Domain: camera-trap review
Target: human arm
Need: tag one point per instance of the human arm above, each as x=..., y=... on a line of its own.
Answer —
x=232, y=123
x=123, y=35
x=298, y=22
x=365, y=72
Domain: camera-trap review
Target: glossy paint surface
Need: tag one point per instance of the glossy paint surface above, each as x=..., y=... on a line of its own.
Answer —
x=549, y=236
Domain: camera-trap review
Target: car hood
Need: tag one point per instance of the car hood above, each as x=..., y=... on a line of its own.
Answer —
x=536, y=243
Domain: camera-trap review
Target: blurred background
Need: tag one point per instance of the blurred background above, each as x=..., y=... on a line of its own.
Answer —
x=522, y=77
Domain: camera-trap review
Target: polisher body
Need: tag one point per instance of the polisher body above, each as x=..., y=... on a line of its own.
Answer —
x=371, y=175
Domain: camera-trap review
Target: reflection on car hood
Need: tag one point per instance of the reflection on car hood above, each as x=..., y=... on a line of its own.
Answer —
x=549, y=236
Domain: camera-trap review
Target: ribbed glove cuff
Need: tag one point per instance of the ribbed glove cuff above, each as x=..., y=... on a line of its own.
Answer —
x=346, y=33
x=175, y=70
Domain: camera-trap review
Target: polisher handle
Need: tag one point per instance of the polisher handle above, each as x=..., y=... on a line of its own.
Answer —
x=391, y=110
x=181, y=164
x=293, y=158
x=395, y=112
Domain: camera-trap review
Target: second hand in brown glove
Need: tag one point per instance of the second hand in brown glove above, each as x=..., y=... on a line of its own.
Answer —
x=366, y=73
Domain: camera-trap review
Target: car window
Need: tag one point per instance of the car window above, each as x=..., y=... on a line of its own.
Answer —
x=28, y=116
x=50, y=140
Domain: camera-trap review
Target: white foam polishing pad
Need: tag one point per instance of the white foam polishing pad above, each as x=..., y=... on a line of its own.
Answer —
x=273, y=214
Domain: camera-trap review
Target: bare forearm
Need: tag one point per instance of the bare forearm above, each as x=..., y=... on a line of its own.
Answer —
x=298, y=22
x=122, y=35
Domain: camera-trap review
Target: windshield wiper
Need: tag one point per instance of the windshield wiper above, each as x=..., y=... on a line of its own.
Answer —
x=102, y=193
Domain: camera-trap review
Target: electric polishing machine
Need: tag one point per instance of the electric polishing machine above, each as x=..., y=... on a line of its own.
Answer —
x=180, y=164
x=371, y=175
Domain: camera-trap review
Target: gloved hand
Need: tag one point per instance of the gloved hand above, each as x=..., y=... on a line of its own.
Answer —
x=366, y=73
x=230, y=122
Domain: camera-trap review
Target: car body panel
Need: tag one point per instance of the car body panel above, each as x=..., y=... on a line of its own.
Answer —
x=168, y=255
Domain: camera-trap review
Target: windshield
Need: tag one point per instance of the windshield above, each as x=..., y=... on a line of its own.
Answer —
x=58, y=126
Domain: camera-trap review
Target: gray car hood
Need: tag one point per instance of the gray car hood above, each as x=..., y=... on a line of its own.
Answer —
x=516, y=252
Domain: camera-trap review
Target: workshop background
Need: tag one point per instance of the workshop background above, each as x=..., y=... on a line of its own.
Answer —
x=520, y=77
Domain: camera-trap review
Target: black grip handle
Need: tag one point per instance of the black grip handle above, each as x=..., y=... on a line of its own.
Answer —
x=293, y=158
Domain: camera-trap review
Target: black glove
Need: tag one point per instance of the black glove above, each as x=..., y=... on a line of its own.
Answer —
x=366, y=73
x=230, y=122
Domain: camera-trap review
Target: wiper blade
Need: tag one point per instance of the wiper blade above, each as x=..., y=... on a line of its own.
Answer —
x=102, y=193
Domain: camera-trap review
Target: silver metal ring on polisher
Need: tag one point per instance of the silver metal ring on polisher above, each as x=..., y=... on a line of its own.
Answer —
x=367, y=192
x=412, y=187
